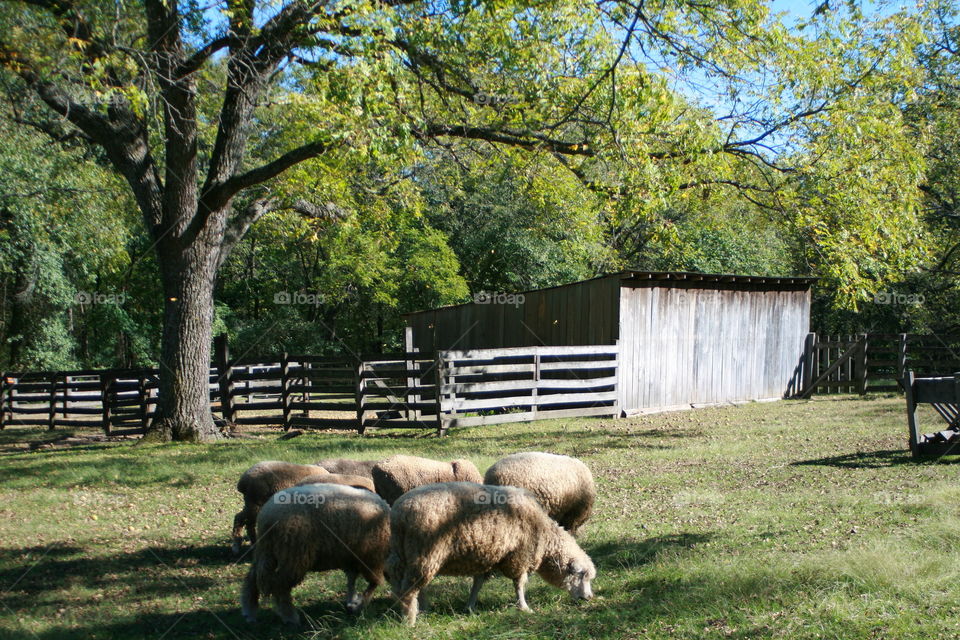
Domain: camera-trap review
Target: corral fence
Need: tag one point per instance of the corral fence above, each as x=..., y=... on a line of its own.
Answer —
x=943, y=394
x=439, y=391
x=869, y=362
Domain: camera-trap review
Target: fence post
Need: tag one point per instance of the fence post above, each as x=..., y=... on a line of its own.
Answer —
x=224, y=377
x=305, y=381
x=902, y=358
x=536, y=383
x=142, y=398
x=809, y=350
x=285, y=390
x=52, y=415
x=911, y=414
x=861, y=365
x=66, y=396
x=3, y=400
x=106, y=381
x=440, y=365
x=616, y=362
x=359, y=395
x=11, y=398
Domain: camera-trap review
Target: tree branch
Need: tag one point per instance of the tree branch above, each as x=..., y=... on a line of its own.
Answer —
x=221, y=195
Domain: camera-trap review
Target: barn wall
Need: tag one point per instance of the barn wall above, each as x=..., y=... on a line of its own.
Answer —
x=577, y=314
x=682, y=346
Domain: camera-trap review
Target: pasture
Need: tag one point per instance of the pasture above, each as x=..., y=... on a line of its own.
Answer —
x=795, y=519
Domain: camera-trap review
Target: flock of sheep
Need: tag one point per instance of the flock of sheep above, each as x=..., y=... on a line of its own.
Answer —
x=407, y=520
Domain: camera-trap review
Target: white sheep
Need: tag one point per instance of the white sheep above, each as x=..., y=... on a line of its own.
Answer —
x=468, y=529
x=563, y=485
x=317, y=527
x=398, y=474
x=359, y=482
x=257, y=484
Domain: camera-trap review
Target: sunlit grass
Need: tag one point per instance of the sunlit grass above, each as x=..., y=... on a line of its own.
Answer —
x=774, y=520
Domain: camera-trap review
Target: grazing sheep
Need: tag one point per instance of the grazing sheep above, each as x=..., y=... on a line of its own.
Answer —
x=349, y=467
x=257, y=484
x=359, y=482
x=563, y=485
x=467, y=529
x=317, y=527
x=396, y=475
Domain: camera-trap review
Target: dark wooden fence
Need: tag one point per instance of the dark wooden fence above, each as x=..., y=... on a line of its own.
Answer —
x=874, y=362
x=478, y=387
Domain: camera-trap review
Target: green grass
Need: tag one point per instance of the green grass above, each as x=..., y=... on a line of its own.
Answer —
x=796, y=519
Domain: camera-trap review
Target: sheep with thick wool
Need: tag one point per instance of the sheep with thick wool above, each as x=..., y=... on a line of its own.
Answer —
x=563, y=485
x=317, y=527
x=358, y=482
x=257, y=484
x=468, y=529
x=398, y=474
x=349, y=467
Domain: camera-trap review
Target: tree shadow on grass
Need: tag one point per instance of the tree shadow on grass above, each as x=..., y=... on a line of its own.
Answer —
x=35, y=575
x=634, y=554
x=873, y=460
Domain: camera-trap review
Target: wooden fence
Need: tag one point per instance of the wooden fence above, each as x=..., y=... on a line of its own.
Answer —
x=943, y=394
x=874, y=362
x=407, y=390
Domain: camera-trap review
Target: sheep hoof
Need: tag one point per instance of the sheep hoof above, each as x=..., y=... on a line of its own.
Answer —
x=354, y=606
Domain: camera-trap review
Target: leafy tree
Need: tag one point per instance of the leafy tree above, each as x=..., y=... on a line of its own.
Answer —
x=180, y=100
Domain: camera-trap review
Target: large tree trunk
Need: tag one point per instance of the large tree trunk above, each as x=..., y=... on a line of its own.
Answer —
x=183, y=409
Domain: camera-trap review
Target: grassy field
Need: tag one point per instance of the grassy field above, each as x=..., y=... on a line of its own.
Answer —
x=796, y=519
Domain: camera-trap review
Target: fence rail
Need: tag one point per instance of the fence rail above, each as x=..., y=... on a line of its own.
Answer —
x=442, y=390
x=870, y=362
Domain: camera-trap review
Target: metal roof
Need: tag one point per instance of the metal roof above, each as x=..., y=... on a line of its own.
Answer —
x=673, y=277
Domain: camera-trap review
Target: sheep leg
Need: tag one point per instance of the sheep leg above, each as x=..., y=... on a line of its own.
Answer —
x=284, y=607
x=411, y=588
x=520, y=584
x=475, y=592
x=250, y=595
x=374, y=580
x=239, y=521
x=252, y=512
x=353, y=602
x=409, y=603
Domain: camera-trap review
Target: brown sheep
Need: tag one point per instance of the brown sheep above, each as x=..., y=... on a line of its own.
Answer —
x=398, y=474
x=317, y=527
x=467, y=529
x=359, y=482
x=257, y=484
x=349, y=467
x=563, y=485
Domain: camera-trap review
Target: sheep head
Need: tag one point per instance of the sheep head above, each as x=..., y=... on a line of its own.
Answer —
x=569, y=568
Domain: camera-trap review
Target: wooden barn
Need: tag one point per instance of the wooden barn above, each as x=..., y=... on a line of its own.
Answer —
x=684, y=338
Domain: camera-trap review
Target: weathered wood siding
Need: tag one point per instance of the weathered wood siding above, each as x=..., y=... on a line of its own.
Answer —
x=583, y=313
x=682, y=346
x=682, y=341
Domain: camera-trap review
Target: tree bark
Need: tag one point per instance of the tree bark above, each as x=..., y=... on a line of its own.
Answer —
x=183, y=410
